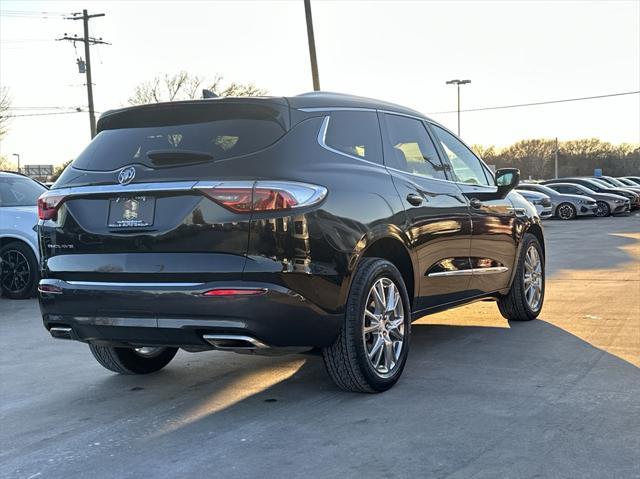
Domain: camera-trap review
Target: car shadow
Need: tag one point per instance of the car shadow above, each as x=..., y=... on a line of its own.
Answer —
x=473, y=400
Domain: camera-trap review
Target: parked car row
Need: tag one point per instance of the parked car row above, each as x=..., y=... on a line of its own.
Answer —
x=568, y=198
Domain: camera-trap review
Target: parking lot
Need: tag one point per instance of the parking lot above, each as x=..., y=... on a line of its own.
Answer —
x=557, y=397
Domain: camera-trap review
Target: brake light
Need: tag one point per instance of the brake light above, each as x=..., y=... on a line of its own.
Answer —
x=239, y=200
x=235, y=292
x=266, y=199
x=243, y=197
x=48, y=205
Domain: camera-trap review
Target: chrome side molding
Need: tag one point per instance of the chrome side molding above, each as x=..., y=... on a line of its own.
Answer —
x=470, y=272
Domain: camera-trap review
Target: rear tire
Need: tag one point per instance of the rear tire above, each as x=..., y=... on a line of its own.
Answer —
x=566, y=211
x=19, y=271
x=517, y=305
x=128, y=361
x=371, y=350
x=603, y=209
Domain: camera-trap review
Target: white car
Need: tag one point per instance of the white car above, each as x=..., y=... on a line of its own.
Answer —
x=541, y=202
x=19, y=254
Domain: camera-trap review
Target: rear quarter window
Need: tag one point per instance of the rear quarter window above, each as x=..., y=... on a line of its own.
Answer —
x=355, y=133
x=219, y=130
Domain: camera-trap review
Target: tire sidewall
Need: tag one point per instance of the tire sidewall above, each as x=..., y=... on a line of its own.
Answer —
x=531, y=240
x=380, y=269
x=29, y=290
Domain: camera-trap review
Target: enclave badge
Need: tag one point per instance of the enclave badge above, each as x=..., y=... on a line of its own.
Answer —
x=126, y=175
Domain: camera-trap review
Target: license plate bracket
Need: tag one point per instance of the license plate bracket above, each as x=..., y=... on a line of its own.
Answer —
x=131, y=212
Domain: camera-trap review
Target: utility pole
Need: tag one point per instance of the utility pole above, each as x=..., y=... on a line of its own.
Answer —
x=312, y=46
x=556, y=159
x=88, y=41
x=458, y=83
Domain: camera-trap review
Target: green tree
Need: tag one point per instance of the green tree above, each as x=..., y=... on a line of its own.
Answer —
x=184, y=86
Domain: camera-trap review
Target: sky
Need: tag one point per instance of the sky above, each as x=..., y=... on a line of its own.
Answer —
x=401, y=51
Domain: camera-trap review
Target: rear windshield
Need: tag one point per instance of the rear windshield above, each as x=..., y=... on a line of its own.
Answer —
x=220, y=131
x=19, y=191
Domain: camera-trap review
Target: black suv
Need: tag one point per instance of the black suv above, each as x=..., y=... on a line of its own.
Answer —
x=257, y=224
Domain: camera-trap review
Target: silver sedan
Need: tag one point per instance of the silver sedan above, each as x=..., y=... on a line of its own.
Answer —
x=608, y=204
x=565, y=206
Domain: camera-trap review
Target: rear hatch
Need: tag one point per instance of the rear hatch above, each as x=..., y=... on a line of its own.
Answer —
x=160, y=193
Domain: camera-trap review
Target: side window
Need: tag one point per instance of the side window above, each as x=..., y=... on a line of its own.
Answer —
x=563, y=189
x=465, y=164
x=355, y=133
x=411, y=148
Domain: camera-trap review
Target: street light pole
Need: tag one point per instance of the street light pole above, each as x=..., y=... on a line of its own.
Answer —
x=312, y=46
x=458, y=83
x=18, y=156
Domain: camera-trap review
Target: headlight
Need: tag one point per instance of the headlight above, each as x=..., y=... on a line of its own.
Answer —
x=582, y=202
x=619, y=201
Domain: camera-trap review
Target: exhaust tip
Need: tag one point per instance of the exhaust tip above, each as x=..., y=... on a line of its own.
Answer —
x=232, y=342
x=60, y=332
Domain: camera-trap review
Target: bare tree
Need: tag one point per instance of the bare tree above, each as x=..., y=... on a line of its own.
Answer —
x=7, y=165
x=5, y=103
x=183, y=86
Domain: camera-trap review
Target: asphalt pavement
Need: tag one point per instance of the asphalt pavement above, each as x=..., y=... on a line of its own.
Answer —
x=556, y=397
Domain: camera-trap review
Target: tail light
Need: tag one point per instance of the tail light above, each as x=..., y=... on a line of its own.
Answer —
x=264, y=195
x=48, y=204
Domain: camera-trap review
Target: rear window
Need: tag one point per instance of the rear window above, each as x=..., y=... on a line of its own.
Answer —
x=220, y=131
x=19, y=191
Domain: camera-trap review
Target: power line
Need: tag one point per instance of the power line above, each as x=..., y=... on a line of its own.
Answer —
x=82, y=66
x=549, y=102
x=44, y=114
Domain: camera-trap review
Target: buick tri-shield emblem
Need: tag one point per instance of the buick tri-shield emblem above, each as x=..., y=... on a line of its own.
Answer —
x=126, y=175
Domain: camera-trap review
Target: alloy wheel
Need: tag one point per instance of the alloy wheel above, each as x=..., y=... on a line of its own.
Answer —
x=383, y=329
x=565, y=212
x=533, y=277
x=16, y=272
x=603, y=209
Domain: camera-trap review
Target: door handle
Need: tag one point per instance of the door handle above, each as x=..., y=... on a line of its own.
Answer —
x=415, y=199
x=475, y=203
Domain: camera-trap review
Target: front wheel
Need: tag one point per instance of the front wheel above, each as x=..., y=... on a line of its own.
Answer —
x=566, y=211
x=132, y=361
x=603, y=209
x=525, y=298
x=371, y=350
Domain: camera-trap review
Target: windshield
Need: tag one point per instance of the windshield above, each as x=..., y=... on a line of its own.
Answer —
x=197, y=131
x=616, y=182
x=600, y=183
x=19, y=191
x=541, y=189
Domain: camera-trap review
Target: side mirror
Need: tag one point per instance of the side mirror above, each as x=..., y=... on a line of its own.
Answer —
x=506, y=180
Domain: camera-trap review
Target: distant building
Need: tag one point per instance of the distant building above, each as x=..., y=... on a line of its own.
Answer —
x=38, y=172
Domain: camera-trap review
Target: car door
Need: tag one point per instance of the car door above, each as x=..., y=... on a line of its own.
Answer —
x=439, y=222
x=493, y=242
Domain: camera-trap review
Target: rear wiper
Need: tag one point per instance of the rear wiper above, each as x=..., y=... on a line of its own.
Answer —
x=178, y=157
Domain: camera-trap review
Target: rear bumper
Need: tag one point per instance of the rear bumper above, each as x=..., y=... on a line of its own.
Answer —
x=179, y=315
